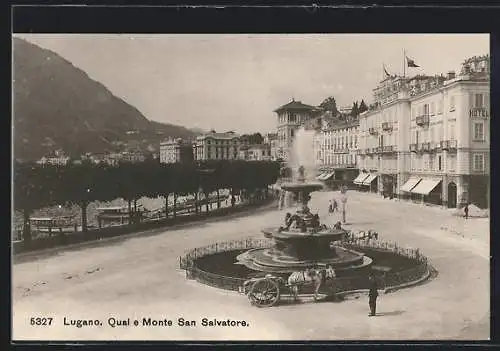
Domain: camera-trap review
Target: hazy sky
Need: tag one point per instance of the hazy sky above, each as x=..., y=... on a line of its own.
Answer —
x=234, y=82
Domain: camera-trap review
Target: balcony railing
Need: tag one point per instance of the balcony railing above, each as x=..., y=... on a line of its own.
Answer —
x=388, y=149
x=340, y=151
x=386, y=126
x=479, y=112
x=413, y=148
x=372, y=131
x=426, y=147
x=450, y=145
x=436, y=146
x=422, y=120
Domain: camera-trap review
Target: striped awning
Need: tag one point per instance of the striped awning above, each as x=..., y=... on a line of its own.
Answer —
x=410, y=184
x=328, y=176
x=425, y=186
x=369, y=179
x=359, y=179
x=325, y=176
x=320, y=176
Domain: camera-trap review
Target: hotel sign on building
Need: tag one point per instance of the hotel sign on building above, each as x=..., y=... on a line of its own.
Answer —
x=427, y=137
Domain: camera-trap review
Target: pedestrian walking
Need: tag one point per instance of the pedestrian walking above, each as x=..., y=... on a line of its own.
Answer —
x=372, y=295
x=330, y=207
x=335, y=206
x=466, y=211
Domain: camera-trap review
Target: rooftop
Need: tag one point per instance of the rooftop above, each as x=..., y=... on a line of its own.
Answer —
x=395, y=87
x=296, y=106
x=342, y=125
x=215, y=135
x=177, y=141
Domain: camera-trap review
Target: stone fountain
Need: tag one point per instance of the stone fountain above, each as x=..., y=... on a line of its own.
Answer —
x=303, y=241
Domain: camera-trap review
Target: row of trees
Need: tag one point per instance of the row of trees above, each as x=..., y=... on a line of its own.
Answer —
x=329, y=104
x=38, y=186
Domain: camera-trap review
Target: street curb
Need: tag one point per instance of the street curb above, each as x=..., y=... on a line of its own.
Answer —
x=62, y=248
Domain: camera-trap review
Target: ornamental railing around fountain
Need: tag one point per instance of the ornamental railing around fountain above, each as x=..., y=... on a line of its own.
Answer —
x=342, y=284
x=186, y=261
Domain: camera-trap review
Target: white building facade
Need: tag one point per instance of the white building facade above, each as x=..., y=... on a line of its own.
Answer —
x=258, y=152
x=217, y=146
x=427, y=138
x=175, y=151
x=336, y=150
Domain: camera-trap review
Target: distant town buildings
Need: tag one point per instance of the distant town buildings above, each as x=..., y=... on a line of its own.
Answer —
x=132, y=157
x=176, y=150
x=258, y=152
x=217, y=146
x=58, y=158
x=114, y=158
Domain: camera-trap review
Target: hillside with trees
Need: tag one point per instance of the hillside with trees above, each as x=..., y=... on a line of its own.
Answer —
x=58, y=106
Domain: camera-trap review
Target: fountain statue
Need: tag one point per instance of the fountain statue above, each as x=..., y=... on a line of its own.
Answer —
x=302, y=241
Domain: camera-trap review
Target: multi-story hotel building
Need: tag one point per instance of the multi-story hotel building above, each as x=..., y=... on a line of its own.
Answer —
x=290, y=118
x=217, y=146
x=175, y=151
x=427, y=137
x=336, y=150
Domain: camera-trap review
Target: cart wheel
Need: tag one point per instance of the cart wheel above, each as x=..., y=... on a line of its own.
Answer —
x=264, y=293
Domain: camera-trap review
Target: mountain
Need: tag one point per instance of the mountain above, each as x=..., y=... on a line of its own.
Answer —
x=57, y=106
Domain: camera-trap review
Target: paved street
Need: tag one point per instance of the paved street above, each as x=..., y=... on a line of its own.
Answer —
x=138, y=277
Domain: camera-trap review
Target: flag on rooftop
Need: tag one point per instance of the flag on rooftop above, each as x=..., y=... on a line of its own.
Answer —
x=411, y=63
x=385, y=72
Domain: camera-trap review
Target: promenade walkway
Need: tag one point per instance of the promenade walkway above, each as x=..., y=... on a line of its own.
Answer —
x=139, y=277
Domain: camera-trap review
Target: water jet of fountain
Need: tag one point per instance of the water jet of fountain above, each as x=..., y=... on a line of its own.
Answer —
x=302, y=154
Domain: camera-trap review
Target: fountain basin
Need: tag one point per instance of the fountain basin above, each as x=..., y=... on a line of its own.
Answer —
x=268, y=260
x=301, y=186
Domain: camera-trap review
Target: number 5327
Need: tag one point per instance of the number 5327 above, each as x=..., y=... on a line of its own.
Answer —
x=41, y=321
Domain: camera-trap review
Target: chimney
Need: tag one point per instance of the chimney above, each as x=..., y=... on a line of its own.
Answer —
x=450, y=75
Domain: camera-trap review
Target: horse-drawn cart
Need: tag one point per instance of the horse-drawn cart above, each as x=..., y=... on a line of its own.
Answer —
x=266, y=291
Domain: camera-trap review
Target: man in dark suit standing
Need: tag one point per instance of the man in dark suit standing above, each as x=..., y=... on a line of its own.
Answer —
x=372, y=294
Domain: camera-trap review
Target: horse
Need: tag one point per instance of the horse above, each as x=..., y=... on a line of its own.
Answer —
x=362, y=235
x=315, y=276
